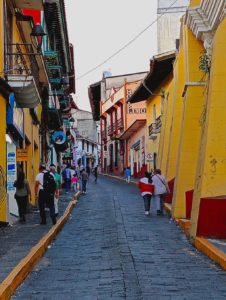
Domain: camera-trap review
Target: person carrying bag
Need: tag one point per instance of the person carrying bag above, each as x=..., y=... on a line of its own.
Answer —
x=161, y=189
x=21, y=195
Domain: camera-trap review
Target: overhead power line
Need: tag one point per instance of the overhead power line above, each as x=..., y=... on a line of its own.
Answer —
x=126, y=45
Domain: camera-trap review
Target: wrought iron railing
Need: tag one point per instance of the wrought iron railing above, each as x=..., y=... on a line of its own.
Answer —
x=110, y=130
x=115, y=127
x=120, y=124
x=158, y=124
x=20, y=59
x=103, y=134
x=152, y=129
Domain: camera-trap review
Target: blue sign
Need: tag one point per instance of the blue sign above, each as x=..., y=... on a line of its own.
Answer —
x=15, y=116
x=59, y=137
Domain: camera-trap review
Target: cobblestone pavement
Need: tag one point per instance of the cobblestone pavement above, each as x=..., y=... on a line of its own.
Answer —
x=17, y=240
x=110, y=250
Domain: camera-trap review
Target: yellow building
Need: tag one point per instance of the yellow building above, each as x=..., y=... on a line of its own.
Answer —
x=209, y=200
x=154, y=89
x=192, y=142
x=22, y=78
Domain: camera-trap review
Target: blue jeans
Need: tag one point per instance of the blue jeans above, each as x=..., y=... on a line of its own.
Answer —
x=84, y=182
x=67, y=185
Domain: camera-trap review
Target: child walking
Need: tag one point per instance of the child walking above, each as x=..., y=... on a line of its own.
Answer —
x=74, y=181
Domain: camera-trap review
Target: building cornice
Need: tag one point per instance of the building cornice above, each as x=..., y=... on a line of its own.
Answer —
x=206, y=17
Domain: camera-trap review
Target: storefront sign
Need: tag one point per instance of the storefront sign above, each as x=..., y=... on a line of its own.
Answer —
x=15, y=117
x=11, y=177
x=21, y=155
x=132, y=110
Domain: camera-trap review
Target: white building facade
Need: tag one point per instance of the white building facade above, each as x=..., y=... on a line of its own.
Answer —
x=168, y=26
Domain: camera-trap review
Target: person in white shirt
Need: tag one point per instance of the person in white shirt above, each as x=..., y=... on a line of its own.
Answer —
x=44, y=198
x=161, y=189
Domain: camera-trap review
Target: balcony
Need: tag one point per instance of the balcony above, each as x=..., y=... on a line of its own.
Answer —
x=115, y=127
x=152, y=131
x=158, y=124
x=120, y=124
x=104, y=134
x=110, y=130
x=22, y=72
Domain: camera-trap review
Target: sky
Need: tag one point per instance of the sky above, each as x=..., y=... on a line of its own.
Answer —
x=99, y=28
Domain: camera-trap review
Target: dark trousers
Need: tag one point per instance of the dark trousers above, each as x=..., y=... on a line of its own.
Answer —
x=67, y=184
x=22, y=206
x=147, y=202
x=84, y=182
x=45, y=200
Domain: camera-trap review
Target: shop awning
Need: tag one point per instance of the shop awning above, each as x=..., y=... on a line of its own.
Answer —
x=161, y=67
x=132, y=129
x=25, y=90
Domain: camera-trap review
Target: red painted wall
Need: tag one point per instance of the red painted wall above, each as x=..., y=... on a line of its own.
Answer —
x=189, y=199
x=212, y=217
x=169, y=197
x=36, y=14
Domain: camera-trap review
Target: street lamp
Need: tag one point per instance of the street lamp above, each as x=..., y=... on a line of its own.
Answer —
x=37, y=34
x=65, y=82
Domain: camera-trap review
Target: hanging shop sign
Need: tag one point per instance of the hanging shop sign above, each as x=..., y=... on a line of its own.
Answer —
x=21, y=155
x=150, y=157
x=59, y=137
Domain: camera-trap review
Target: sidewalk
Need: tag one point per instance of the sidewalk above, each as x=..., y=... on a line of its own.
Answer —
x=17, y=240
x=215, y=249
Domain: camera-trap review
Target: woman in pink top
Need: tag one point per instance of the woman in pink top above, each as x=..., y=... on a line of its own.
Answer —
x=74, y=181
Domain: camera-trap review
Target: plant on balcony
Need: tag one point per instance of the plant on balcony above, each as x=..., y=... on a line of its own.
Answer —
x=204, y=62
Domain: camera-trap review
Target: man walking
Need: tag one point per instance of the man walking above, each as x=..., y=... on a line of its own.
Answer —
x=45, y=187
x=146, y=189
x=67, y=178
x=84, y=177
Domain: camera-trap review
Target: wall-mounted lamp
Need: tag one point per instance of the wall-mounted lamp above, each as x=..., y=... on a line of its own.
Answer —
x=37, y=33
x=65, y=83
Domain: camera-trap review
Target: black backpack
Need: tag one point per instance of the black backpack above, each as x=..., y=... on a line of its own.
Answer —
x=49, y=183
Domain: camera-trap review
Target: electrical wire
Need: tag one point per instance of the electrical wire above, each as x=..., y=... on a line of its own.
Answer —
x=125, y=46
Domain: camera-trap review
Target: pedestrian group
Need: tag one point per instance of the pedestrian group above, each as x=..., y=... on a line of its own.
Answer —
x=153, y=186
x=47, y=189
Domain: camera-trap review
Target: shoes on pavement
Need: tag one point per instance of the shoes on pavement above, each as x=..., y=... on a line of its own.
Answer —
x=159, y=213
x=54, y=221
x=147, y=213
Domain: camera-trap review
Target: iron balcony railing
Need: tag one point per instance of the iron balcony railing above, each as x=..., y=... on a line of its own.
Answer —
x=158, y=124
x=110, y=130
x=104, y=134
x=20, y=59
x=152, y=129
x=115, y=127
x=120, y=124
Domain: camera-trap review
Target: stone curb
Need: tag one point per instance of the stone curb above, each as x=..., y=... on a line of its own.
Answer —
x=25, y=266
x=200, y=243
x=211, y=251
x=118, y=178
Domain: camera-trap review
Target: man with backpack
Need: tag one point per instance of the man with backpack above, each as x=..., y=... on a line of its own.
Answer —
x=45, y=187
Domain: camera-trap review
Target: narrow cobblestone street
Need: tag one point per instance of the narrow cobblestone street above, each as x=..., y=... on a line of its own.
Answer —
x=110, y=250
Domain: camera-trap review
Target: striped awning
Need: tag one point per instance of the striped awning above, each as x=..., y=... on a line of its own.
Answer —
x=25, y=90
